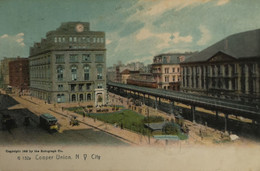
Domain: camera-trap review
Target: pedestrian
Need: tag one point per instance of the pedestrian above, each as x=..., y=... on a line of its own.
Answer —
x=201, y=134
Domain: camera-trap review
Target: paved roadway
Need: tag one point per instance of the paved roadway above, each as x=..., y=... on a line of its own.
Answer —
x=33, y=134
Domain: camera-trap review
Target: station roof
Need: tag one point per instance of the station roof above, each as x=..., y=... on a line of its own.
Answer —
x=240, y=45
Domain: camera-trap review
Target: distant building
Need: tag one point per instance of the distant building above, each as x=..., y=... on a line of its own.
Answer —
x=4, y=72
x=228, y=69
x=19, y=74
x=143, y=80
x=69, y=65
x=166, y=70
x=125, y=75
x=114, y=72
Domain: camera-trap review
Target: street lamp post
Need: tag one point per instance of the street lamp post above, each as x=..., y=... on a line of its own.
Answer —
x=148, y=115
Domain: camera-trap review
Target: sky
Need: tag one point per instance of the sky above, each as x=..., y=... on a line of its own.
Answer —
x=136, y=30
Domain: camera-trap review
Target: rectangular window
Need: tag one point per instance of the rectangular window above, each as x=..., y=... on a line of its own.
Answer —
x=63, y=39
x=173, y=78
x=101, y=40
x=166, y=70
x=88, y=86
x=100, y=85
x=72, y=87
x=99, y=73
x=167, y=79
x=59, y=39
x=60, y=87
x=173, y=69
x=178, y=69
x=75, y=39
x=88, y=39
x=98, y=40
x=99, y=58
x=86, y=58
x=60, y=58
x=81, y=87
x=55, y=39
x=73, y=58
x=94, y=40
x=70, y=39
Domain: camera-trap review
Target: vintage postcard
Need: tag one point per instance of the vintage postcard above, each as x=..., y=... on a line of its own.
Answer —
x=116, y=85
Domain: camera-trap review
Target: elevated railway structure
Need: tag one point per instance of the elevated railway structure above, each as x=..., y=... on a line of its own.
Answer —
x=228, y=107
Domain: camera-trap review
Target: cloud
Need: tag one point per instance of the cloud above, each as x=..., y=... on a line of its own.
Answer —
x=13, y=39
x=12, y=45
x=222, y=2
x=143, y=59
x=153, y=8
x=164, y=38
x=20, y=35
x=108, y=41
x=205, y=35
x=4, y=36
x=177, y=38
x=144, y=34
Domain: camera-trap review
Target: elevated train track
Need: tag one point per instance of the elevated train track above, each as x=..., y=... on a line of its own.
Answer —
x=228, y=107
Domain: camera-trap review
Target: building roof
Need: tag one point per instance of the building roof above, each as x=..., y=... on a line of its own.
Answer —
x=174, y=58
x=126, y=71
x=240, y=45
x=155, y=126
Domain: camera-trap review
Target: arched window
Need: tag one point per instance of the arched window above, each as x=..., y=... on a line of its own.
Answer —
x=99, y=72
x=73, y=97
x=89, y=97
x=60, y=73
x=86, y=72
x=74, y=73
x=81, y=97
x=58, y=98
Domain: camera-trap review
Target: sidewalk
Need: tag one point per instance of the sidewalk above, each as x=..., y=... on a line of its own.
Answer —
x=123, y=134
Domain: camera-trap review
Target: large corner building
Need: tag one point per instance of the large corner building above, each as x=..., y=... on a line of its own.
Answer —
x=69, y=65
x=228, y=69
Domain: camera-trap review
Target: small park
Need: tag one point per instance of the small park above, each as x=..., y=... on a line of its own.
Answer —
x=118, y=116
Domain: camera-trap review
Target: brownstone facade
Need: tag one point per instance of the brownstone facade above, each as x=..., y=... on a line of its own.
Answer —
x=19, y=74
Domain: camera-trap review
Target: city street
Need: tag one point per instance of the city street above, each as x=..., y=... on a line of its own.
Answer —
x=94, y=132
x=33, y=134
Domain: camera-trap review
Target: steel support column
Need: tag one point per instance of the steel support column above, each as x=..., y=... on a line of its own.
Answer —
x=143, y=98
x=155, y=105
x=226, y=122
x=193, y=113
x=172, y=107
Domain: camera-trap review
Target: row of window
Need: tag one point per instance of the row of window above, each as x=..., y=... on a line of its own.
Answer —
x=229, y=69
x=174, y=78
x=60, y=58
x=74, y=97
x=40, y=72
x=84, y=39
x=80, y=87
x=167, y=70
x=74, y=73
x=41, y=61
x=42, y=84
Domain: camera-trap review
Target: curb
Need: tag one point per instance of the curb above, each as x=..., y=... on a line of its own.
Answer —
x=96, y=128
